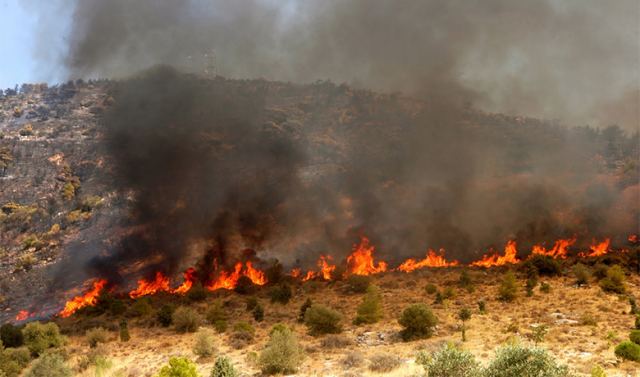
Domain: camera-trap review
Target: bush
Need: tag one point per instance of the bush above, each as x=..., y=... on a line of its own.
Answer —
x=597, y=371
x=49, y=365
x=258, y=313
x=124, y=332
x=96, y=335
x=383, y=363
x=531, y=283
x=11, y=336
x=179, y=367
x=282, y=353
x=141, y=307
x=251, y=302
x=245, y=286
x=545, y=287
x=582, y=274
x=370, y=310
x=220, y=326
x=39, y=337
x=320, y=319
x=544, y=265
x=13, y=361
x=418, y=322
x=358, y=283
x=303, y=309
x=634, y=336
x=204, y=346
x=637, y=324
x=185, y=319
x=430, y=289
x=465, y=281
x=482, y=306
x=508, y=289
x=223, y=368
x=165, y=315
x=197, y=292
x=449, y=362
x=614, y=282
x=274, y=273
x=464, y=315
x=600, y=271
x=281, y=293
x=242, y=335
x=518, y=360
x=215, y=312
x=628, y=350
x=335, y=341
x=352, y=360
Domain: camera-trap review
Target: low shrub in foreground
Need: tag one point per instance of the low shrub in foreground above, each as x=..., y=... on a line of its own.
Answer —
x=96, y=335
x=204, y=345
x=242, y=335
x=628, y=350
x=634, y=336
x=449, y=362
x=519, y=360
x=418, y=321
x=223, y=368
x=282, y=353
x=39, y=337
x=13, y=360
x=303, y=309
x=185, y=319
x=49, y=365
x=614, y=282
x=370, y=310
x=11, y=336
x=508, y=289
x=320, y=319
x=384, y=363
x=179, y=367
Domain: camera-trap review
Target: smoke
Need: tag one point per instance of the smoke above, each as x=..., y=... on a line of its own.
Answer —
x=211, y=174
x=550, y=59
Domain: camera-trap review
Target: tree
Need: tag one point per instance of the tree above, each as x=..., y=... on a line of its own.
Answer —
x=464, y=315
x=370, y=310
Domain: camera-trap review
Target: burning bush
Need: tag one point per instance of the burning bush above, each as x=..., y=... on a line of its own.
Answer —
x=449, y=361
x=39, y=337
x=96, y=335
x=49, y=365
x=614, y=282
x=282, y=353
x=418, y=322
x=223, y=368
x=508, y=289
x=179, y=366
x=185, y=319
x=518, y=360
x=370, y=310
x=320, y=319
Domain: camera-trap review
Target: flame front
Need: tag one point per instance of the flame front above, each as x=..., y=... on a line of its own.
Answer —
x=189, y=279
x=559, y=249
x=361, y=262
x=23, y=315
x=145, y=287
x=598, y=249
x=88, y=299
x=432, y=259
x=229, y=280
x=492, y=260
x=326, y=269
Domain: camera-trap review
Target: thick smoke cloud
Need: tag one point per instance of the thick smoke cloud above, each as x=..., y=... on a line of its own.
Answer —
x=569, y=60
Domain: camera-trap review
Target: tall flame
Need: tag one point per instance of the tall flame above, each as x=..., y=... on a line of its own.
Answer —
x=432, y=259
x=598, y=249
x=151, y=287
x=510, y=252
x=326, y=269
x=189, y=279
x=559, y=249
x=88, y=299
x=361, y=262
x=229, y=280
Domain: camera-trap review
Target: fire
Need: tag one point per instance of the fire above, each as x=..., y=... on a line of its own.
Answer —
x=310, y=275
x=559, y=249
x=145, y=287
x=295, y=273
x=326, y=269
x=23, y=315
x=88, y=299
x=432, y=259
x=633, y=238
x=510, y=252
x=598, y=249
x=189, y=278
x=229, y=280
x=361, y=262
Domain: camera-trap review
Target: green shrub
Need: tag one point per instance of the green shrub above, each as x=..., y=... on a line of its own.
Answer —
x=281, y=293
x=124, y=332
x=11, y=336
x=282, y=353
x=614, y=282
x=597, y=371
x=508, y=289
x=628, y=350
x=141, y=307
x=185, y=319
x=13, y=360
x=482, y=306
x=258, y=313
x=223, y=368
x=370, y=310
x=251, y=302
x=545, y=287
x=197, y=292
x=320, y=319
x=303, y=309
x=582, y=274
x=418, y=322
x=39, y=337
x=465, y=281
x=544, y=265
x=242, y=335
x=637, y=322
x=518, y=360
x=215, y=312
x=204, y=345
x=430, y=289
x=449, y=361
x=600, y=271
x=245, y=286
x=220, y=325
x=464, y=315
x=384, y=363
x=634, y=336
x=96, y=335
x=531, y=283
x=165, y=315
x=358, y=283
x=49, y=365
x=179, y=367
x=448, y=293
x=333, y=341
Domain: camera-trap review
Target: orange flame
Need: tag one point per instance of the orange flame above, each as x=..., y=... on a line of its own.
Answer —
x=146, y=287
x=326, y=269
x=295, y=273
x=310, y=275
x=361, y=262
x=432, y=259
x=633, y=238
x=189, y=279
x=598, y=249
x=23, y=315
x=510, y=252
x=229, y=280
x=88, y=299
x=559, y=249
